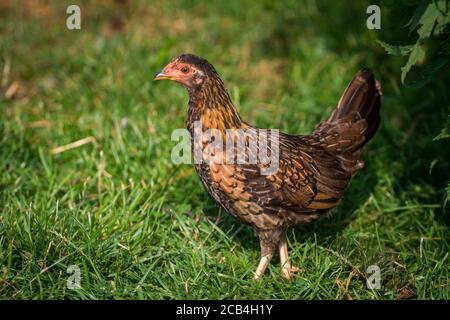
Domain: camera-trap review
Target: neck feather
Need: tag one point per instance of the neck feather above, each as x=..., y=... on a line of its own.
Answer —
x=211, y=104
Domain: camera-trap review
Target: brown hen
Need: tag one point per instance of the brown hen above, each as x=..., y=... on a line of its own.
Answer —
x=311, y=171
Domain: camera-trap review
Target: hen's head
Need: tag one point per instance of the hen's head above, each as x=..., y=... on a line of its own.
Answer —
x=188, y=70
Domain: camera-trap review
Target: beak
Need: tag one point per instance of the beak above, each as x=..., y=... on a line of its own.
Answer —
x=162, y=76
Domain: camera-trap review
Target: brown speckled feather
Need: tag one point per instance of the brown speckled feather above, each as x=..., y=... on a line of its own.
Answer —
x=313, y=170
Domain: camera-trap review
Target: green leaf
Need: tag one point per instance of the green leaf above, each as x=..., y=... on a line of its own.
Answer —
x=443, y=19
x=416, y=54
x=428, y=19
x=432, y=165
x=418, y=13
x=396, y=50
x=447, y=195
x=428, y=73
x=441, y=136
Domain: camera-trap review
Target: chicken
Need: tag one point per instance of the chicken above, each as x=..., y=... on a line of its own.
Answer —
x=311, y=173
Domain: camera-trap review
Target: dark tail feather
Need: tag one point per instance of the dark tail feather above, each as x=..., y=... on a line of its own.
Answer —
x=351, y=125
x=363, y=96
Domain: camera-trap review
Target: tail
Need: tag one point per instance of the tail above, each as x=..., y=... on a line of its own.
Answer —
x=354, y=121
x=362, y=96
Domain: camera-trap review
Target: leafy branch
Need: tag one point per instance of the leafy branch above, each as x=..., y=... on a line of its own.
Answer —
x=430, y=19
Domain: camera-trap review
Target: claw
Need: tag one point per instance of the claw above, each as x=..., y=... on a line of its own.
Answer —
x=295, y=269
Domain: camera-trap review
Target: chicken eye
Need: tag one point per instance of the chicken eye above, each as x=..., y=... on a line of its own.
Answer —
x=185, y=69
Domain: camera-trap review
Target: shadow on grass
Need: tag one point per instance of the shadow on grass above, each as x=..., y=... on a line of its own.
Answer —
x=347, y=21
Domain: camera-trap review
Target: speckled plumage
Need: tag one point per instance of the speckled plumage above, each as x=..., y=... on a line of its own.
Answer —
x=313, y=171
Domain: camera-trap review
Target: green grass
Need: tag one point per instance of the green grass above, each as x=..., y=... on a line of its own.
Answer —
x=139, y=226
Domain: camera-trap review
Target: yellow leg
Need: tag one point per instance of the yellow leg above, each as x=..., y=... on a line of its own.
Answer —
x=262, y=266
x=286, y=267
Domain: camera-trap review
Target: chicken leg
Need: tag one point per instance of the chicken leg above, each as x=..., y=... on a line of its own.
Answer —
x=262, y=266
x=286, y=267
x=270, y=240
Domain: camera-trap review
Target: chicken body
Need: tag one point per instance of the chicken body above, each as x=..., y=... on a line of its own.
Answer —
x=312, y=171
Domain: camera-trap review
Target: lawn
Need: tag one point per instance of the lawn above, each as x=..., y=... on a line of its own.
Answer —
x=135, y=225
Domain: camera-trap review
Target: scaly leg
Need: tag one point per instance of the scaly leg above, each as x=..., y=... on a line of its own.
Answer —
x=286, y=267
x=262, y=266
x=269, y=240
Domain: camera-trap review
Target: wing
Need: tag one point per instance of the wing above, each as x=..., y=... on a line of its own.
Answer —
x=308, y=178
